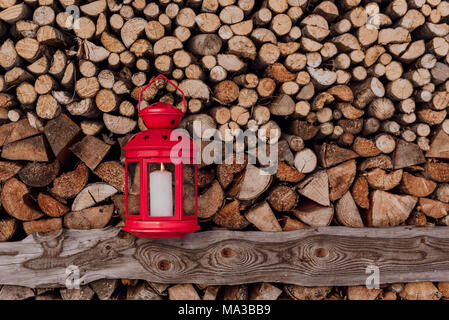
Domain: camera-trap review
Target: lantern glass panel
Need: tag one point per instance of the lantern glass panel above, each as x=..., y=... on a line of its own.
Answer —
x=161, y=189
x=133, y=188
x=189, y=189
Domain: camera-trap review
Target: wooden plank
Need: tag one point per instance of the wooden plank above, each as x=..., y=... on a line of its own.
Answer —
x=326, y=256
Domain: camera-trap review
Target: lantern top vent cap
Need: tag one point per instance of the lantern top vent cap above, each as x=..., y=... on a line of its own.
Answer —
x=161, y=115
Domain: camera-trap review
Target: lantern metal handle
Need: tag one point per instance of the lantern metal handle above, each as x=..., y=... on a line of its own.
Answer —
x=161, y=75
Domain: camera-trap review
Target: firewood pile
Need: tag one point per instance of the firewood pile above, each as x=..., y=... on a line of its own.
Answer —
x=356, y=93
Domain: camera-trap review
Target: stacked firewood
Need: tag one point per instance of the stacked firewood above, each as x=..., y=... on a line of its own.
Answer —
x=141, y=290
x=355, y=92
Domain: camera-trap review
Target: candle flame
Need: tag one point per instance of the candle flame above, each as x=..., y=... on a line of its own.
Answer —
x=162, y=166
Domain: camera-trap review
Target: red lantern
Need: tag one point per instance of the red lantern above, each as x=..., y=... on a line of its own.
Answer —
x=161, y=175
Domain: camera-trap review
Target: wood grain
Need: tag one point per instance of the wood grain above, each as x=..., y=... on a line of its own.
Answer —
x=326, y=256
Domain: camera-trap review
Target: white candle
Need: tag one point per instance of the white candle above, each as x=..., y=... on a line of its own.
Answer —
x=161, y=193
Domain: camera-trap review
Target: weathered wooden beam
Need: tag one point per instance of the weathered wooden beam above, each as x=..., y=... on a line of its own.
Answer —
x=326, y=256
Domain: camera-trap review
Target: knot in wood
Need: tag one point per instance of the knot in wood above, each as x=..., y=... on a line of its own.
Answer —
x=321, y=252
x=164, y=265
x=227, y=252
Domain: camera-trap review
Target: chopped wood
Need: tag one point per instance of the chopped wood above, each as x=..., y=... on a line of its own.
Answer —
x=50, y=206
x=104, y=288
x=8, y=227
x=420, y=291
x=347, y=212
x=230, y=217
x=91, y=151
x=251, y=183
x=331, y=154
x=407, y=154
x=69, y=184
x=91, y=195
x=15, y=292
x=313, y=214
x=433, y=208
x=305, y=161
x=263, y=218
x=61, y=133
x=83, y=293
x=9, y=169
x=340, y=179
x=183, y=292
x=113, y=173
x=89, y=218
x=210, y=201
x=362, y=293
x=17, y=201
x=31, y=149
x=264, y=291
x=142, y=291
x=387, y=209
x=360, y=192
x=416, y=186
x=306, y=293
x=42, y=225
x=316, y=188
x=282, y=198
x=382, y=180
x=118, y=124
x=439, y=146
x=39, y=174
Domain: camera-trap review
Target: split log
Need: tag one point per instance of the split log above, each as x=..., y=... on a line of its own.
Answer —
x=246, y=188
x=50, y=206
x=142, y=291
x=83, y=293
x=8, y=227
x=8, y=169
x=433, y=208
x=91, y=195
x=69, y=184
x=183, y=292
x=387, y=209
x=39, y=174
x=15, y=293
x=382, y=180
x=347, y=213
x=264, y=291
x=104, y=288
x=282, y=198
x=17, y=202
x=113, y=173
x=263, y=218
x=89, y=218
x=340, y=179
x=42, y=225
x=91, y=151
x=230, y=217
x=314, y=214
x=61, y=133
x=420, y=291
x=406, y=155
x=331, y=154
x=118, y=124
x=416, y=186
x=210, y=201
x=31, y=149
x=316, y=188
